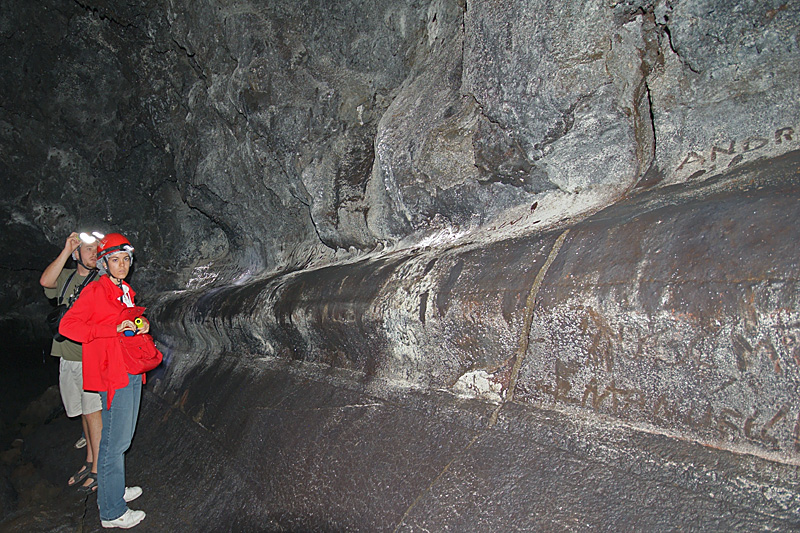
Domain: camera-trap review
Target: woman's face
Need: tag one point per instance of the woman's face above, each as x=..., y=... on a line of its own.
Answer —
x=119, y=264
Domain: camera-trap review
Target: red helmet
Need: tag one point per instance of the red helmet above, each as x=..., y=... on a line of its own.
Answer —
x=111, y=243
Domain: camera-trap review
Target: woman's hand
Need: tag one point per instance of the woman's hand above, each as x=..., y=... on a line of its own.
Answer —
x=144, y=326
x=126, y=325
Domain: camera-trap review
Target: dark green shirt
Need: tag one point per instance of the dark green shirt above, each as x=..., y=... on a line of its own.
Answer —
x=71, y=351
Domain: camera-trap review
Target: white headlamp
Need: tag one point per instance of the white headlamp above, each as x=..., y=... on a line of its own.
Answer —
x=91, y=239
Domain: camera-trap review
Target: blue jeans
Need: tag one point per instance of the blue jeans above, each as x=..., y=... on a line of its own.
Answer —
x=119, y=423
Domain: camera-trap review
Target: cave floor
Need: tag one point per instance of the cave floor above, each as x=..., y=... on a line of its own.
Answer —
x=316, y=455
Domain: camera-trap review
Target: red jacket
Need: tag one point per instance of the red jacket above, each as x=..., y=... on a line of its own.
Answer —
x=92, y=320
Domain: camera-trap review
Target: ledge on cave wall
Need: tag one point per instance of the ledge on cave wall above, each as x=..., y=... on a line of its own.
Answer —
x=673, y=311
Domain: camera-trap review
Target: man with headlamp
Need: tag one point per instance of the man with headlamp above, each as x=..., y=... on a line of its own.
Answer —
x=65, y=284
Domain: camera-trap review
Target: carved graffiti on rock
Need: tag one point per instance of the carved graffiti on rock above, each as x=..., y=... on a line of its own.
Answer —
x=733, y=382
x=730, y=153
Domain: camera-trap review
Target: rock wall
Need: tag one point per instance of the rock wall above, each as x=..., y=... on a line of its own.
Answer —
x=431, y=264
x=415, y=191
x=232, y=138
x=674, y=311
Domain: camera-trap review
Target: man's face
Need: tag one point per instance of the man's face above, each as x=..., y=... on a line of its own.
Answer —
x=88, y=254
x=119, y=264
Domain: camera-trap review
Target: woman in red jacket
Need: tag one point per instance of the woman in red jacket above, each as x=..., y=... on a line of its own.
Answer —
x=95, y=320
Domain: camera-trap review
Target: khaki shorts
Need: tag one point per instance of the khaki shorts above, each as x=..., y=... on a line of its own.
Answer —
x=76, y=400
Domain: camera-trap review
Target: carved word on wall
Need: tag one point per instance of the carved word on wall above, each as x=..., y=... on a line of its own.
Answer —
x=733, y=152
x=737, y=386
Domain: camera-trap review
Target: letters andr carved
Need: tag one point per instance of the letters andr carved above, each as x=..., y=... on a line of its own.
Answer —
x=697, y=161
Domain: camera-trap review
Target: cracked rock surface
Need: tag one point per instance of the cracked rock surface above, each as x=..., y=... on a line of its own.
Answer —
x=232, y=138
x=467, y=215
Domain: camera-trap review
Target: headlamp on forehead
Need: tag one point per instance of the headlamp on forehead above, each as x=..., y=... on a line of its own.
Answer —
x=91, y=239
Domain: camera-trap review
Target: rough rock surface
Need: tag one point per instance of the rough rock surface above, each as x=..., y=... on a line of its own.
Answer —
x=247, y=136
x=291, y=448
x=587, y=207
x=675, y=310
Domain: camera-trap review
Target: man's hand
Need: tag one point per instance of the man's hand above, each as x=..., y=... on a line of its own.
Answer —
x=73, y=241
x=49, y=277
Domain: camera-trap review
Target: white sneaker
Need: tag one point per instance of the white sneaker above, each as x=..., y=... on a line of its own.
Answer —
x=81, y=443
x=131, y=493
x=126, y=521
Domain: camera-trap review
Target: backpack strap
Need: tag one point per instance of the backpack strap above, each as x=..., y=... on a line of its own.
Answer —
x=64, y=288
x=89, y=277
x=76, y=292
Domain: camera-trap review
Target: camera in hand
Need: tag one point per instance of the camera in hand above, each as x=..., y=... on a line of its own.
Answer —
x=139, y=322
